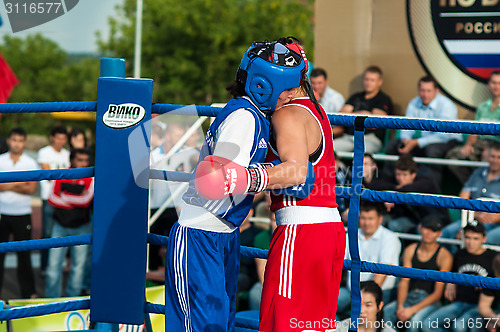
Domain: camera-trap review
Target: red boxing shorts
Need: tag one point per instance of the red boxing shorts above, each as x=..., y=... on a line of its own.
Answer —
x=302, y=278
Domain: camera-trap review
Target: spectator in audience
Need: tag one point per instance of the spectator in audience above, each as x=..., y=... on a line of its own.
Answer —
x=3, y=145
x=417, y=299
x=331, y=100
x=77, y=139
x=343, y=179
x=161, y=191
x=262, y=241
x=402, y=217
x=429, y=104
x=488, y=111
x=474, y=260
x=489, y=299
x=370, y=171
x=157, y=134
x=371, y=101
x=15, y=209
x=53, y=156
x=484, y=183
x=376, y=244
x=371, y=318
x=71, y=200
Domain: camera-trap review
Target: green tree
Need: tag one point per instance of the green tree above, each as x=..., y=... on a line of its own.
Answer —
x=46, y=73
x=192, y=48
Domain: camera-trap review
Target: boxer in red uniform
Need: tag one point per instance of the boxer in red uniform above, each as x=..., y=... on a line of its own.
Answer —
x=304, y=267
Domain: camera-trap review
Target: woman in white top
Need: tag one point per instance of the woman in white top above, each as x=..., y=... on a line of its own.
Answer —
x=372, y=316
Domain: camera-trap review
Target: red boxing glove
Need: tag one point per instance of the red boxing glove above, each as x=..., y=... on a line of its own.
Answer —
x=217, y=177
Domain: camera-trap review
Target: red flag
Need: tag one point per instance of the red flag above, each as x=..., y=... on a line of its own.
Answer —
x=7, y=80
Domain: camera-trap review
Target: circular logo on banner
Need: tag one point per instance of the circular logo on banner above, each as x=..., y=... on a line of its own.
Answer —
x=458, y=43
x=123, y=115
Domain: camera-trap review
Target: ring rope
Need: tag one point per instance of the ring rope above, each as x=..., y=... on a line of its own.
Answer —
x=422, y=200
x=44, y=309
x=57, y=242
x=47, y=174
x=49, y=107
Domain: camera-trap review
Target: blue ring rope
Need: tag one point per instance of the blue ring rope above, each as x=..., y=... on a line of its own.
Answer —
x=49, y=107
x=47, y=174
x=57, y=242
x=43, y=309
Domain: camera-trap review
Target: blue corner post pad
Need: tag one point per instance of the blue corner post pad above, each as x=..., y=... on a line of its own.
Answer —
x=113, y=67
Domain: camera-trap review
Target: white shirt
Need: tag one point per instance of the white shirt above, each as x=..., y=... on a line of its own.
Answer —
x=382, y=247
x=440, y=108
x=56, y=160
x=12, y=203
x=332, y=101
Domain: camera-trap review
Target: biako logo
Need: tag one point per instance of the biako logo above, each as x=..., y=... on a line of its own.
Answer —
x=123, y=115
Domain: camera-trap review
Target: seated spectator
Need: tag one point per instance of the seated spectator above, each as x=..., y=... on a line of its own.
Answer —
x=489, y=299
x=417, y=299
x=262, y=241
x=15, y=209
x=343, y=179
x=371, y=101
x=71, y=200
x=331, y=100
x=429, y=104
x=77, y=139
x=488, y=111
x=370, y=171
x=484, y=183
x=376, y=244
x=404, y=218
x=371, y=318
x=474, y=260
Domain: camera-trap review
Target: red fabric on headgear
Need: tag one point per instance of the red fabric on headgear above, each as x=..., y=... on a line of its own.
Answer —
x=299, y=50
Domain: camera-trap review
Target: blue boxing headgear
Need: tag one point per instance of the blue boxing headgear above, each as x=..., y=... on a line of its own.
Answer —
x=267, y=69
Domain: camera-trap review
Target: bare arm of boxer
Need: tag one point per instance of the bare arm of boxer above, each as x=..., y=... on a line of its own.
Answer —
x=297, y=135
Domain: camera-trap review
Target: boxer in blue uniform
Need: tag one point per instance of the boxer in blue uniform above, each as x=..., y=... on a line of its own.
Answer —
x=202, y=261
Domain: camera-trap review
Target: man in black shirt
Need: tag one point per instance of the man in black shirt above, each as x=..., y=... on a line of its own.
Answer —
x=489, y=299
x=462, y=313
x=371, y=101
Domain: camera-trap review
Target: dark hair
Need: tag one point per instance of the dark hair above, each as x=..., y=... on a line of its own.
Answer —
x=58, y=130
x=406, y=163
x=375, y=70
x=369, y=155
x=75, y=132
x=494, y=145
x=17, y=131
x=495, y=72
x=74, y=152
x=367, y=206
x=373, y=288
x=428, y=79
x=496, y=265
x=236, y=89
x=475, y=227
x=319, y=72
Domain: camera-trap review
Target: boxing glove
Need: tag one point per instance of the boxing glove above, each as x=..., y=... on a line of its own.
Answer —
x=217, y=177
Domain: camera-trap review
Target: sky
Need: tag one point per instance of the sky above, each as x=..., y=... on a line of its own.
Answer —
x=75, y=31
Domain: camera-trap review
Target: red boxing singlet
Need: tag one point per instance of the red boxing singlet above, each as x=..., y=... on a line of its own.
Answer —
x=323, y=160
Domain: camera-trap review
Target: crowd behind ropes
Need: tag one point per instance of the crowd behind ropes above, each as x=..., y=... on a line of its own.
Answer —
x=67, y=210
